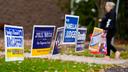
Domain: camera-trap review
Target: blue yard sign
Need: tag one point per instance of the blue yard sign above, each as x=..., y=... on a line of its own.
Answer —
x=81, y=36
x=42, y=39
x=58, y=40
x=14, y=43
x=70, y=29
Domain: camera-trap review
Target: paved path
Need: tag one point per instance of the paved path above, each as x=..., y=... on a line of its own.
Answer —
x=81, y=59
x=78, y=59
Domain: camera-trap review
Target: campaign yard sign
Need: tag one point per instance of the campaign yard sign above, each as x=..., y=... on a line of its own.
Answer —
x=70, y=29
x=58, y=40
x=14, y=43
x=80, y=46
x=42, y=39
x=98, y=42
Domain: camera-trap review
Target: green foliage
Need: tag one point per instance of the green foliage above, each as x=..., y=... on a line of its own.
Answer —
x=122, y=26
x=87, y=11
x=88, y=18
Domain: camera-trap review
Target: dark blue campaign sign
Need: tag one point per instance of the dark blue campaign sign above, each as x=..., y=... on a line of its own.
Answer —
x=42, y=37
x=81, y=39
x=58, y=40
x=70, y=29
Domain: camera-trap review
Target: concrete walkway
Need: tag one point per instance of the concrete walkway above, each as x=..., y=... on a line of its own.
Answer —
x=78, y=59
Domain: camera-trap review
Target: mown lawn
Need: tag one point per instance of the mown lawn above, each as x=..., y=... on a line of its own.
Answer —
x=45, y=65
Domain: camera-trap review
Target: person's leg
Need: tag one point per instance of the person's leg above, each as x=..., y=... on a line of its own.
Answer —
x=111, y=47
x=108, y=41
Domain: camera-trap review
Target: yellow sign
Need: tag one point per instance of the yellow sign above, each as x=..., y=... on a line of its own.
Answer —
x=38, y=52
x=14, y=52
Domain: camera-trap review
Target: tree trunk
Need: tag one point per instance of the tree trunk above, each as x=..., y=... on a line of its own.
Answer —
x=100, y=5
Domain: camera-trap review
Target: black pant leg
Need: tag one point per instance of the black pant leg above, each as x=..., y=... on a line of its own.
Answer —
x=109, y=45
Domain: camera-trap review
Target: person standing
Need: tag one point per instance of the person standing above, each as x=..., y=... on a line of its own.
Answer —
x=108, y=23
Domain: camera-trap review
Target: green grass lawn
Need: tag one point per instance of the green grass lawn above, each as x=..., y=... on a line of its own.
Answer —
x=45, y=65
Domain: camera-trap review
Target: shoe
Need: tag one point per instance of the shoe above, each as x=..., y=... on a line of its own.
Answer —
x=117, y=55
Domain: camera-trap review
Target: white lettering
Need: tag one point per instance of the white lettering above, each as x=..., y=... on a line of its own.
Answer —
x=71, y=34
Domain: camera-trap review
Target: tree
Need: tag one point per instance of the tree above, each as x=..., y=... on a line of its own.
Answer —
x=100, y=7
x=91, y=10
x=87, y=10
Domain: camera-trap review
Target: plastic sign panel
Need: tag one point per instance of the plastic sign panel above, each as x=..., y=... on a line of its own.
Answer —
x=42, y=39
x=98, y=42
x=80, y=46
x=58, y=40
x=14, y=43
x=70, y=29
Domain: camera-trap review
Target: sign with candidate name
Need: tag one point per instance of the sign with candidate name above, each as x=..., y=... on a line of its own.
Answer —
x=14, y=43
x=42, y=39
x=98, y=41
x=80, y=46
x=70, y=29
x=58, y=40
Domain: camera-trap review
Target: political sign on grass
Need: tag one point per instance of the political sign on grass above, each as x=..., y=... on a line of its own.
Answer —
x=42, y=39
x=14, y=43
x=70, y=29
x=98, y=41
x=58, y=40
x=80, y=46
